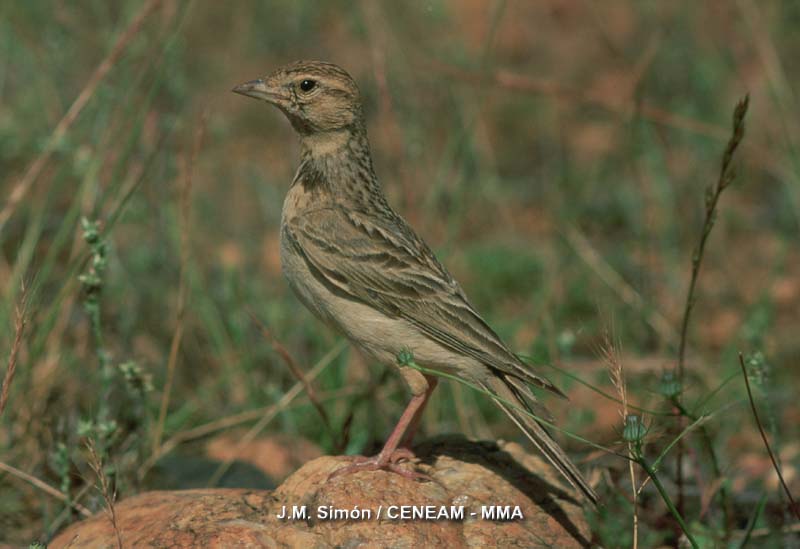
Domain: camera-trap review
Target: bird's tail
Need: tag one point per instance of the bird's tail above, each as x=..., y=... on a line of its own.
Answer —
x=536, y=433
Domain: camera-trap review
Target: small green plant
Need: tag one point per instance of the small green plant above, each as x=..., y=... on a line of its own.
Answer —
x=92, y=282
x=62, y=462
x=635, y=434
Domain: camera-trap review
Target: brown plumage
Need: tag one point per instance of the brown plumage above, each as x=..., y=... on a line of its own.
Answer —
x=360, y=268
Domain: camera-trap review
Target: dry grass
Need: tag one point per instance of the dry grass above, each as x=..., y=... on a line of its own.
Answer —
x=105, y=488
x=187, y=170
x=611, y=355
x=23, y=186
x=20, y=321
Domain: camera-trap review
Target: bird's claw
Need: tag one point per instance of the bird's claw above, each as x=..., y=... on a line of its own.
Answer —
x=389, y=462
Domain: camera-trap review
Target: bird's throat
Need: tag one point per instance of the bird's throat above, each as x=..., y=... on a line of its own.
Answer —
x=338, y=163
x=319, y=144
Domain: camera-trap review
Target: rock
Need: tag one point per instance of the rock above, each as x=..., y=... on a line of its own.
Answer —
x=465, y=474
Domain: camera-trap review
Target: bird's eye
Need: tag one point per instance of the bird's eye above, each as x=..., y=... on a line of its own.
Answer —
x=308, y=85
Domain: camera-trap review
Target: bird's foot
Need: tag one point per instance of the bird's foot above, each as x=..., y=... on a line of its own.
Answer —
x=382, y=462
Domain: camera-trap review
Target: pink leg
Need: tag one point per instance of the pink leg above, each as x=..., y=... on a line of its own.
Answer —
x=402, y=432
x=414, y=424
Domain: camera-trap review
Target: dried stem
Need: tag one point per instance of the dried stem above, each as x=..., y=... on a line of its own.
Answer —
x=514, y=81
x=44, y=487
x=20, y=321
x=616, y=282
x=279, y=348
x=769, y=531
x=274, y=411
x=109, y=494
x=792, y=503
x=617, y=374
x=35, y=169
x=185, y=227
x=232, y=421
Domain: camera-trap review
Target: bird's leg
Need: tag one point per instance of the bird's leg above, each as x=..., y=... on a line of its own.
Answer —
x=398, y=445
x=414, y=424
x=403, y=432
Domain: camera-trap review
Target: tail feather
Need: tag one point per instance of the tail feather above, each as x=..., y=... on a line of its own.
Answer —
x=524, y=394
x=540, y=438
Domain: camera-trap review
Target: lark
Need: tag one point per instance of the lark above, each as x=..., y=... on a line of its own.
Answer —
x=361, y=269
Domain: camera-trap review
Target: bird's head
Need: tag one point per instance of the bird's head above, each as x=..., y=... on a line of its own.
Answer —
x=316, y=97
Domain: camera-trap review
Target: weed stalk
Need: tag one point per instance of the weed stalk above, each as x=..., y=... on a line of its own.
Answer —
x=792, y=503
x=712, y=195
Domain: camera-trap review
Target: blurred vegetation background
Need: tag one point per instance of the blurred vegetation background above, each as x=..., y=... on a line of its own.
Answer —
x=555, y=154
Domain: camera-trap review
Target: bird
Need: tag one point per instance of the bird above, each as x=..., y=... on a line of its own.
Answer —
x=360, y=268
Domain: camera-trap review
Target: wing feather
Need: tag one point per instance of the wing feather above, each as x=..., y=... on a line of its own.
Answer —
x=379, y=261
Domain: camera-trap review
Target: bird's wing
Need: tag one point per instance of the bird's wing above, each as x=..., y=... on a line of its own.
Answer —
x=379, y=261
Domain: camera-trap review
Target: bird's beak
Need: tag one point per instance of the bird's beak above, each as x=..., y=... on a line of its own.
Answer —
x=259, y=89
